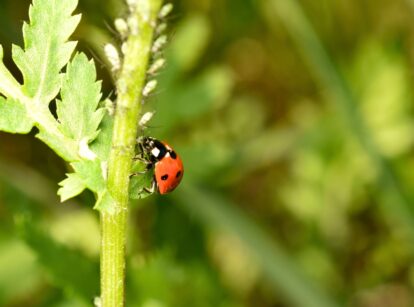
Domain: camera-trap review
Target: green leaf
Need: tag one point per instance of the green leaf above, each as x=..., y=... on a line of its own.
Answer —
x=91, y=173
x=46, y=49
x=80, y=93
x=105, y=202
x=63, y=147
x=102, y=144
x=140, y=181
x=9, y=87
x=14, y=118
x=71, y=187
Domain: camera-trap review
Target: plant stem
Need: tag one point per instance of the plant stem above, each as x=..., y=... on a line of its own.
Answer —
x=130, y=84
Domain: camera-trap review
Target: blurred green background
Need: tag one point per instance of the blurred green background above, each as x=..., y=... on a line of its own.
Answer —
x=294, y=120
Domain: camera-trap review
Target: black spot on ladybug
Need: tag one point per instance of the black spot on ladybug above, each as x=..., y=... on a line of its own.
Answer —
x=178, y=174
x=173, y=154
x=164, y=177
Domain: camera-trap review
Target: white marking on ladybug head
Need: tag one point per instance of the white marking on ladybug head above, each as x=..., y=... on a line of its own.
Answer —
x=167, y=154
x=155, y=152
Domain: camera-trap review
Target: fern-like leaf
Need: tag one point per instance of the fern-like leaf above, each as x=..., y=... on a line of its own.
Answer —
x=80, y=93
x=71, y=187
x=14, y=118
x=42, y=63
x=46, y=49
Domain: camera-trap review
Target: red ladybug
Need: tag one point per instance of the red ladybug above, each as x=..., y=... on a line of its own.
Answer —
x=168, y=167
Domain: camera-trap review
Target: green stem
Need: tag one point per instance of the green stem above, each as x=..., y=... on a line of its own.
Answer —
x=129, y=87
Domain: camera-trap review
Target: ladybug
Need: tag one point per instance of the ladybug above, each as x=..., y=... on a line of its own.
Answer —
x=167, y=165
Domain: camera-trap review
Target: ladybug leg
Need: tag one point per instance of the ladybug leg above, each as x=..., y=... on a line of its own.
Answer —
x=139, y=157
x=148, y=166
x=141, y=147
x=136, y=174
x=152, y=188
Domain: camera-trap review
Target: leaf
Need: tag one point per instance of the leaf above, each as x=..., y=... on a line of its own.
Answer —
x=63, y=147
x=80, y=93
x=46, y=49
x=91, y=172
x=141, y=178
x=70, y=187
x=105, y=202
x=102, y=144
x=9, y=87
x=14, y=118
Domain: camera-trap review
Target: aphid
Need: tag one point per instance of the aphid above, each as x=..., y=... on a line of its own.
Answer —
x=167, y=165
x=145, y=119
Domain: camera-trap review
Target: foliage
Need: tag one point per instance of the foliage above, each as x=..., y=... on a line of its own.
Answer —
x=46, y=52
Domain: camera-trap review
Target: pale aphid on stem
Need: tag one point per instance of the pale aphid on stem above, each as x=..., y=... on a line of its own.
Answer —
x=121, y=26
x=165, y=10
x=156, y=66
x=113, y=57
x=149, y=87
x=145, y=118
x=159, y=43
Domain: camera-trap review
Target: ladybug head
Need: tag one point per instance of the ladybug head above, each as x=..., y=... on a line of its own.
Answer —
x=155, y=149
